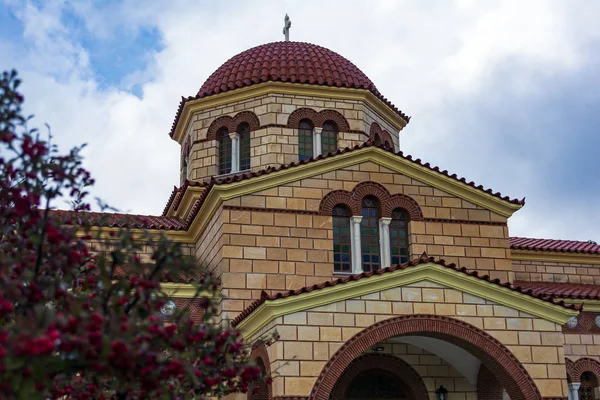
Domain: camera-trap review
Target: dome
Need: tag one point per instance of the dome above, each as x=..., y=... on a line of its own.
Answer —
x=293, y=62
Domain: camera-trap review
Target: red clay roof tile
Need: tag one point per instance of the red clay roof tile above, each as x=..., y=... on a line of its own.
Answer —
x=560, y=290
x=421, y=260
x=293, y=62
x=569, y=246
x=117, y=220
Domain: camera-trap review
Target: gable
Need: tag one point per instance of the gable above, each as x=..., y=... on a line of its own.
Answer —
x=482, y=204
x=388, y=289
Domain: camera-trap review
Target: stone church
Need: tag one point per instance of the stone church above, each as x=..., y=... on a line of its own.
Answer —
x=386, y=277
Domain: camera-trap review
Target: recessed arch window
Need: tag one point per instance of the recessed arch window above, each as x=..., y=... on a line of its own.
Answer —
x=244, y=131
x=342, y=244
x=224, y=151
x=377, y=140
x=329, y=136
x=589, y=383
x=305, y=139
x=399, y=236
x=369, y=234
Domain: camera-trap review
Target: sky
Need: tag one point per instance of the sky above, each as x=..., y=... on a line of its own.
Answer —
x=502, y=93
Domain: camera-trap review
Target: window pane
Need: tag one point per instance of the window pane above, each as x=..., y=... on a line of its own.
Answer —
x=341, y=239
x=329, y=138
x=369, y=234
x=305, y=143
x=224, y=151
x=244, y=131
x=399, y=236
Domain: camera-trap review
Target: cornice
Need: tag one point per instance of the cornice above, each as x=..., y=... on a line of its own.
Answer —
x=554, y=256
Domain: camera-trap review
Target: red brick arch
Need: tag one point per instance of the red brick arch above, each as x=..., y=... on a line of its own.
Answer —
x=353, y=200
x=265, y=389
x=318, y=118
x=232, y=123
x=576, y=368
x=494, y=355
x=383, y=134
x=394, y=366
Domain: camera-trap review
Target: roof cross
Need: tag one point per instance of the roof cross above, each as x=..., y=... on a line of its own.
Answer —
x=287, y=24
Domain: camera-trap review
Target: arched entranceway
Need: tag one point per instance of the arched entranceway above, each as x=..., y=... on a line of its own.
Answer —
x=493, y=354
x=583, y=378
x=379, y=376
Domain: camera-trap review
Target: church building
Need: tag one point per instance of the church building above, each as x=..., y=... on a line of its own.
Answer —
x=385, y=276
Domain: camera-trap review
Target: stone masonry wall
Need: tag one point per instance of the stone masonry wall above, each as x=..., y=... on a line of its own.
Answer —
x=274, y=143
x=540, y=271
x=276, y=240
x=310, y=338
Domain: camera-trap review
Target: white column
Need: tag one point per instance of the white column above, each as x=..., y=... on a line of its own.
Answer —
x=574, y=390
x=317, y=144
x=384, y=241
x=356, y=248
x=235, y=152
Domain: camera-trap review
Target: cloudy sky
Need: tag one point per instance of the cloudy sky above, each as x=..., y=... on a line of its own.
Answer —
x=503, y=93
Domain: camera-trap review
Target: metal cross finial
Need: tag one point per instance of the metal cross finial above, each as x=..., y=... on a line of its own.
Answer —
x=287, y=24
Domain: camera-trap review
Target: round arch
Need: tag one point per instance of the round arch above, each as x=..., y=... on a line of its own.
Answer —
x=394, y=366
x=493, y=354
x=576, y=368
x=260, y=355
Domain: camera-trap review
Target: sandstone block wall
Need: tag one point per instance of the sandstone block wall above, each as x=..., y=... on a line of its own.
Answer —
x=541, y=271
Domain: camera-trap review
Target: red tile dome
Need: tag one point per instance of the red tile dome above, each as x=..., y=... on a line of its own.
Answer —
x=294, y=62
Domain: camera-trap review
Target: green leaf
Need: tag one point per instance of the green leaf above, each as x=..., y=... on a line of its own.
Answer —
x=11, y=363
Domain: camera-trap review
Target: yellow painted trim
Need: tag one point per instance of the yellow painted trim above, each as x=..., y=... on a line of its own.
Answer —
x=389, y=160
x=181, y=290
x=254, y=91
x=432, y=272
x=554, y=256
x=588, y=305
x=104, y=233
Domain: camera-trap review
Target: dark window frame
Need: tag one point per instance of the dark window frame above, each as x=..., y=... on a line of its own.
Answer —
x=305, y=139
x=369, y=234
x=329, y=137
x=224, y=151
x=399, y=240
x=243, y=131
x=342, y=243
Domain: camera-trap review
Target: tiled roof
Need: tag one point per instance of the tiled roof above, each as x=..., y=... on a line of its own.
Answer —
x=293, y=62
x=561, y=290
x=569, y=246
x=421, y=260
x=177, y=194
x=117, y=220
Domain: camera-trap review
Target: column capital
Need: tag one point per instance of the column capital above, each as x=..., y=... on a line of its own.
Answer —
x=234, y=135
x=386, y=220
x=356, y=219
x=317, y=129
x=574, y=385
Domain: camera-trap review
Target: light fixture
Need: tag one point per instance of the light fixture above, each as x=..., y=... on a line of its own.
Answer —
x=442, y=393
x=378, y=348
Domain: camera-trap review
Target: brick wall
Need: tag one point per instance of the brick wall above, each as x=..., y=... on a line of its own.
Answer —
x=539, y=271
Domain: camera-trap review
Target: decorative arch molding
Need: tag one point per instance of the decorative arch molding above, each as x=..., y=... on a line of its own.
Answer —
x=383, y=134
x=494, y=355
x=318, y=118
x=390, y=364
x=266, y=389
x=232, y=123
x=353, y=200
x=576, y=368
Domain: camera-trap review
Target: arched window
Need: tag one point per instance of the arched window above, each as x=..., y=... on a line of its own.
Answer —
x=342, y=245
x=263, y=387
x=369, y=234
x=589, y=383
x=329, y=137
x=377, y=140
x=224, y=151
x=399, y=236
x=305, y=139
x=244, y=131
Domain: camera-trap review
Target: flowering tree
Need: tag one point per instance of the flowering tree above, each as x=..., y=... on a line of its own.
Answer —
x=69, y=328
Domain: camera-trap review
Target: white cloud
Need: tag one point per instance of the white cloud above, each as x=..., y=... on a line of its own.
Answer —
x=425, y=56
